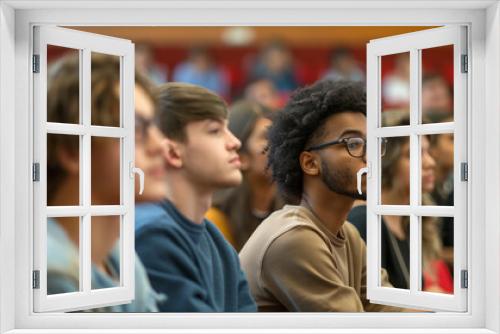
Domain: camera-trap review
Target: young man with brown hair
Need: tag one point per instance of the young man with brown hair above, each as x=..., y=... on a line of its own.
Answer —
x=185, y=255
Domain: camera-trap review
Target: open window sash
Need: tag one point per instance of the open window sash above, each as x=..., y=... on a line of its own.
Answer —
x=414, y=43
x=84, y=44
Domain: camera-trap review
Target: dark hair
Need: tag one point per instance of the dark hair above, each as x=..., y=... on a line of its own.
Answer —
x=236, y=202
x=340, y=52
x=179, y=104
x=63, y=104
x=301, y=122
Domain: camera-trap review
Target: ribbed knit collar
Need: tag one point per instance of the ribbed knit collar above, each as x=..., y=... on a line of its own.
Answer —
x=193, y=229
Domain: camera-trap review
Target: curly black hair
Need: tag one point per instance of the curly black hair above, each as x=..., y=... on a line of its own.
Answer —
x=301, y=122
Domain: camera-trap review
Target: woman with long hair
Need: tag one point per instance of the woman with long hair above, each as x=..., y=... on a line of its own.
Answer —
x=238, y=211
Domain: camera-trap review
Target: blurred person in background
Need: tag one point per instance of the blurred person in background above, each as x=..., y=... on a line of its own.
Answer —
x=396, y=84
x=200, y=69
x=343, y=66
x=263, y=91
x=442, y=150
x=395, y=253
x=63, y=170
x=145, y=64
x=275, y=63
x=238, y=211
x=437, y=98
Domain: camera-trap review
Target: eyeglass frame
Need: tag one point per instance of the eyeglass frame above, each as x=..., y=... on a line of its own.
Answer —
x=344, y=141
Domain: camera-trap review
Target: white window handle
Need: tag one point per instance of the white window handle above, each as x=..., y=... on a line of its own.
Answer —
x=138, y=171
x=364, y=170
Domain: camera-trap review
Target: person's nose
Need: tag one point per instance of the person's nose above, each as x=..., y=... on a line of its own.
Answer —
x=233, y=143
x=154, y=140
x=428, y=161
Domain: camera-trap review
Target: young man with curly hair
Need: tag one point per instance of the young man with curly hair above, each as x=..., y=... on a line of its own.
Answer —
x=306, y=257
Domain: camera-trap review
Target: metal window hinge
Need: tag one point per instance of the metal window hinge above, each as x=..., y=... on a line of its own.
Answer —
x=465, y=64
x=36, y=172
x=36, y=279
x=464, y=279
x=464, y=171
x=36, y=63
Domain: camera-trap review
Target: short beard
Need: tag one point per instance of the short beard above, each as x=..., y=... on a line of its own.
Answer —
x=339, y=181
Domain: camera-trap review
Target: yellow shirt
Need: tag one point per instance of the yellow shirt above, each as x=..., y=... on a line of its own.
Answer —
x=220, y=220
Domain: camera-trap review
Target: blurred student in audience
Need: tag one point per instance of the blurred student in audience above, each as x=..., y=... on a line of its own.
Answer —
x=343, y=66
x=185, y=255
x=441, y=149
x=238, y=211
x=437, y=99
x=396, y=84
x=145, y=64
x=306, y=257
x=63, y=170
x=395, y=253
x=263, y=91
x=200, y=69
x=276, y=64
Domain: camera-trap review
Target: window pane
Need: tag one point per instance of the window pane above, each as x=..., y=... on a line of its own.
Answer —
x=395, y=252
x=63, y=255
x=395, y=72
x=437, y=169
x=63, y=169
x=63, y=85
x=437, y=84
x=106, y=156
x=396, y=171
x=105, y=90
x=437, y=254
x=105, y=251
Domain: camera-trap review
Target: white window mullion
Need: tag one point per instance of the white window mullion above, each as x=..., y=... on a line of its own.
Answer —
x=127, y=221
x=460, y=105
x=85, y=167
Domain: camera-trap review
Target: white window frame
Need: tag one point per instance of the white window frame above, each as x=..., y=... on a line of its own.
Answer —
x=16, y=21
x=413, y=44
x=85, y=44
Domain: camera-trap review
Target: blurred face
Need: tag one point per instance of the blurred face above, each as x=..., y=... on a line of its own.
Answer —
x=148, y=157
x=428, y=166
x=401, y=178
x=436, y=96
x=209, y=155
x=277, y=60
x=148, y=149
x=264, y=92
x=254, y=160
x=442, y=152
x=338, y=168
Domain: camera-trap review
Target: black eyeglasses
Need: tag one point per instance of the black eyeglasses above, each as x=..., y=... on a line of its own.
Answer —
x=355, y=146
x=142, y=126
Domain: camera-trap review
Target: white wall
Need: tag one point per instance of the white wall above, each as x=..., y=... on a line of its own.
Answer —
x=492, y=167
x=6, y=165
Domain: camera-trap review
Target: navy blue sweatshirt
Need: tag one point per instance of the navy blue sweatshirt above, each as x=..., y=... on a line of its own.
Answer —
x=192, y=264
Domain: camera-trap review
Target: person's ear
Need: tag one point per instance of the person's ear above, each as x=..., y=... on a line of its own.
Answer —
x=69, y=161
x=172, y=153
x=309, y=163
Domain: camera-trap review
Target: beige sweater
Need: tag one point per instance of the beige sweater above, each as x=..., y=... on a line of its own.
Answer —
x=293, y=263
